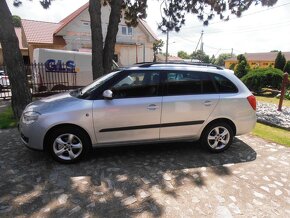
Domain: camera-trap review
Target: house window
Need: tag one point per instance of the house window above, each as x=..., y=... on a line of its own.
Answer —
x=127, y=31
x=130, y=31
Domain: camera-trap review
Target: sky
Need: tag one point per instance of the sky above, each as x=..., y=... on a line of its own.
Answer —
x=260, y=29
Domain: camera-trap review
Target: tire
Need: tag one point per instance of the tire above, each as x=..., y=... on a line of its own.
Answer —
x=213, y=138
x=68, y=144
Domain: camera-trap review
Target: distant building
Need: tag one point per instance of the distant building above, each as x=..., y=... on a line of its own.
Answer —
x=261, y=60
x=162, y=58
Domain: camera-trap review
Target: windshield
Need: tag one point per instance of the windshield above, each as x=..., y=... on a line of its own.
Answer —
x=86, y=91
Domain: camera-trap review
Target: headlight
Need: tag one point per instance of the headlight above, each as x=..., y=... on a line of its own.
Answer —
x=30, y=117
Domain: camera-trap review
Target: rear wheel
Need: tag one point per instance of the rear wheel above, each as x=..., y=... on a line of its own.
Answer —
x=218, y=137
x=68, y=145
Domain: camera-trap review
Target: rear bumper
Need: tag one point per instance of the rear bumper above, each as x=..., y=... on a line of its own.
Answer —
x=246, y=124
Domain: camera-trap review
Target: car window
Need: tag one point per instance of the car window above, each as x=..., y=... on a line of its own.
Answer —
x=137, y=84
x=224, y=85
x=188, y=83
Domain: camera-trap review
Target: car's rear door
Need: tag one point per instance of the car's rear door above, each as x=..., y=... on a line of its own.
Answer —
x=134, y=112
x=189, y=98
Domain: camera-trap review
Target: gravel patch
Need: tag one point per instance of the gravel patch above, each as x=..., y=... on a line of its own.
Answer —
x=268, y=113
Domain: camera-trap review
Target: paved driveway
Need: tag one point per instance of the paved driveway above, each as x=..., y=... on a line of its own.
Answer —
x=251, y=179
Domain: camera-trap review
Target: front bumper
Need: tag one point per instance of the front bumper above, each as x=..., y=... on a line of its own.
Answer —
x=31, y=136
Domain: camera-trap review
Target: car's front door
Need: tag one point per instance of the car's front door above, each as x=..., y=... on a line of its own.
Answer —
x=133, y=114
x=188, y=100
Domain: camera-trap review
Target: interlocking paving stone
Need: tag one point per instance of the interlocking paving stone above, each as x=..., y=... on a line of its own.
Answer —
x=251, y=179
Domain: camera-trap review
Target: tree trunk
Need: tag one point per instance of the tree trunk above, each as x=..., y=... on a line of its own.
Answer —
x=13, y=60
x=110, y=41
x=97, y=38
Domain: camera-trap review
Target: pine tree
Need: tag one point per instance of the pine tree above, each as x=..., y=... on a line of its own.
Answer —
x=280, y=61
x=242, y=67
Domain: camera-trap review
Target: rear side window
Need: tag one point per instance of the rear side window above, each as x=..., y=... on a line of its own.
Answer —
x=188, y=83
x=224, y=85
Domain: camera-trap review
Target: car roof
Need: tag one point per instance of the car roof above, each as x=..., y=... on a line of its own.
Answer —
x=202, y=67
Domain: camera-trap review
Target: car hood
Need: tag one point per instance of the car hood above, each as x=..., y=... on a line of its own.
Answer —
x=54, y=103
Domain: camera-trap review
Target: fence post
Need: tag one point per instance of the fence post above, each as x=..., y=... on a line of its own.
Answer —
x=283, y=89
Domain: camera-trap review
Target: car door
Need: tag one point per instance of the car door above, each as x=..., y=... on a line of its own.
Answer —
x=133, y=114
x=189, y=99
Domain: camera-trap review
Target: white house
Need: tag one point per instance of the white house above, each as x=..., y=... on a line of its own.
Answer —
x=134, y=44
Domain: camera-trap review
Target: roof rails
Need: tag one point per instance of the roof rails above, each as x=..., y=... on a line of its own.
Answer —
x=149, y=64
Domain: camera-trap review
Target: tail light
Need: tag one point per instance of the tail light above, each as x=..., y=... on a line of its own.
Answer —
x=252, y=101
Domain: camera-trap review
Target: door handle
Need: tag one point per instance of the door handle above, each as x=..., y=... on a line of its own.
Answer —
x=207, y=103
x=152, y=107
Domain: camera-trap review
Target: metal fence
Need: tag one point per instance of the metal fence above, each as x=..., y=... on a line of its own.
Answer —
x=43, y=80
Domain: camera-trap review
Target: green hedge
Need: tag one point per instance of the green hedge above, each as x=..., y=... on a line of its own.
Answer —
x=257, y=79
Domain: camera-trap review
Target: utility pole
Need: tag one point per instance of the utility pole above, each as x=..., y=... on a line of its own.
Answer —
x=201, y=41
x=201, y=46
x=232, y=52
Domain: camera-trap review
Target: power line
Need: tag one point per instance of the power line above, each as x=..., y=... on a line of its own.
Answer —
x=234, y=18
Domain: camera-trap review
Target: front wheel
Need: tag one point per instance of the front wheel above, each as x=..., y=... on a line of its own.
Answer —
x=68, y=145
x=218, y=137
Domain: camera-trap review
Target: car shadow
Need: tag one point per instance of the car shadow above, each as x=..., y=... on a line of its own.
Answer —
x=111, y=182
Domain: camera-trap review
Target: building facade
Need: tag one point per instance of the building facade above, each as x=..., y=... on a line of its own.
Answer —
x=133, y=44
x=258, y=60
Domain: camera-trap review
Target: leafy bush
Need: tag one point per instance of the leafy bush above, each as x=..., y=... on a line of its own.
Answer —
x=287, y=67
x=287, y=95
x=257, y=79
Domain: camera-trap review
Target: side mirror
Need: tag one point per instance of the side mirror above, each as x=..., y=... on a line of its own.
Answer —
x=108, y=94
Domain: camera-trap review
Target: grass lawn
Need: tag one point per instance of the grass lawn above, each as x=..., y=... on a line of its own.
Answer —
x=272, y=100
x=6, y=119
x=273, y=134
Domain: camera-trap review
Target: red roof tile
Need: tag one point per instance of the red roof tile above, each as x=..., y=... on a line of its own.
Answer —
x=39, y=31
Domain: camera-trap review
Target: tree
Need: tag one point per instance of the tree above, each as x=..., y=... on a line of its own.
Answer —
x=232, y=66
x=13, y=60
x=200, y=55
x=280, y=61
x=287, y=67
x=16, y=21
x=183, y=55
x=102, y=54
x=221, y=59
x=157, y=48
x=173, y=16
x=242, y=68
x=212, y=59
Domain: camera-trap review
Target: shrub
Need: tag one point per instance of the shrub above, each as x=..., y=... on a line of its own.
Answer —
x=257, y=79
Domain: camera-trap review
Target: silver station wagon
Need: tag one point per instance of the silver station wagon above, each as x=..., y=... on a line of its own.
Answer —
x=148, y=103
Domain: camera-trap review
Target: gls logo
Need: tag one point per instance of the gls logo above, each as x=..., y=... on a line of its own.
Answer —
x=52, y=65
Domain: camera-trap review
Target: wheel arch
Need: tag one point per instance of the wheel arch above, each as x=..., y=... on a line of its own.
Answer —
x=221, y=120
x=63, y=125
